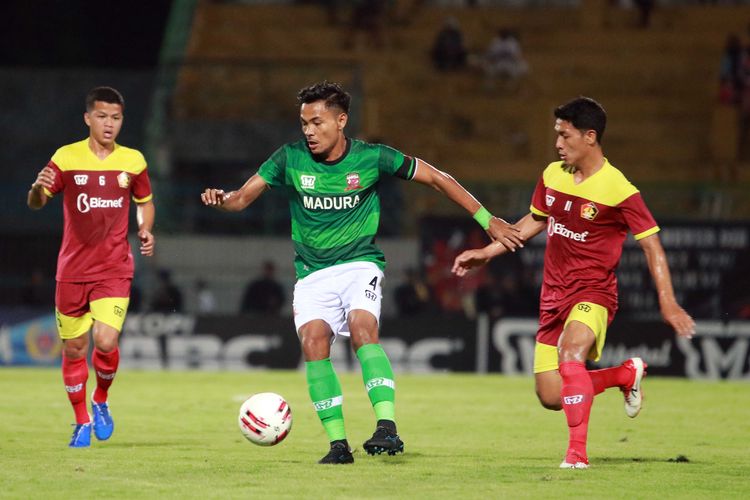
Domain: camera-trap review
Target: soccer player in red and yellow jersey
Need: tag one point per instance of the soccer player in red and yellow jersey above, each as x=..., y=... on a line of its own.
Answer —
x=97, y=177
x=587, y=207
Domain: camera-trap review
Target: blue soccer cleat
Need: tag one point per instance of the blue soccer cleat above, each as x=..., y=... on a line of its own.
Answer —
x=81, y=436
x=103, y=424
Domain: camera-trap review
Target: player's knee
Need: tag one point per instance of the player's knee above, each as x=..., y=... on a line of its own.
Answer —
x=315, y=346
x=74, y=351
x=106, y=345
x=359, y=339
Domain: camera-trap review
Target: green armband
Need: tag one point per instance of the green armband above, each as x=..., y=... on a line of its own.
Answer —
x=482, y=216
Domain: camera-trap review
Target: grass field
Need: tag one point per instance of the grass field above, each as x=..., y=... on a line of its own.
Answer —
x=466, y=436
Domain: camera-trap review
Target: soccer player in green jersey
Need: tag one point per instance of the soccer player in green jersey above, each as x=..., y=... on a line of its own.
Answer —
x=331, y=181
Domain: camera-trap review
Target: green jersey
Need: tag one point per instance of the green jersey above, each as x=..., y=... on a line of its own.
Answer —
x=334, y=205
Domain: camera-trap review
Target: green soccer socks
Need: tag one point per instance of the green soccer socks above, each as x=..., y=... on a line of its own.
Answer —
x=377, y=375
x=325, y=393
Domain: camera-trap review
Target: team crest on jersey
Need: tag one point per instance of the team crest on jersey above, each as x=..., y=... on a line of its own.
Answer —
x=549, y=199
x=589, y=211
x=81, y=179
x=123, y=180
x=307, y=181
x=352, y=181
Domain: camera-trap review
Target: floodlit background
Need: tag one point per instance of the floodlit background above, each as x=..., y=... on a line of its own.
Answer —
x=469, y=86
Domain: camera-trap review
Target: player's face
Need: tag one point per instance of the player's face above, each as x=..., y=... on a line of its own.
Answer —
x=104, y=121
x=323, y=128
x=572, y=144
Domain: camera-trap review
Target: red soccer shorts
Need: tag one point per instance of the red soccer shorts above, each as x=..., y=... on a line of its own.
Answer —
x=78, y=305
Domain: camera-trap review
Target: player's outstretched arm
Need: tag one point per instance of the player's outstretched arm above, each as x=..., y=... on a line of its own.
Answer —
x=529, y=226
x=234, y=201
x=499, y=230
x=671, y=311
x=37, y=198
x=145, y=215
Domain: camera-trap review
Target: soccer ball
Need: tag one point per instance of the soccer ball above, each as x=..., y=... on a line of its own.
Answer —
x=265, y=419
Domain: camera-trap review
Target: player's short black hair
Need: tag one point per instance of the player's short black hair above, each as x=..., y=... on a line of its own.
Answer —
x=332, y=93
x=585, y=114
x=104, y=94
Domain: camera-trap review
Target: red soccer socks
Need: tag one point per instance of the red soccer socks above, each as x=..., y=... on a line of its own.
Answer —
x=617, y=376
x=105, y=366
x=577, y=394
x=75, y=373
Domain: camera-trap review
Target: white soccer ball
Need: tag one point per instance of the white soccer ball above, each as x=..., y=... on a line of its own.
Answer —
x=265, y=419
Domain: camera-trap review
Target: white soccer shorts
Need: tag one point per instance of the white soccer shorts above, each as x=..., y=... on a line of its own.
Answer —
x=331, y=293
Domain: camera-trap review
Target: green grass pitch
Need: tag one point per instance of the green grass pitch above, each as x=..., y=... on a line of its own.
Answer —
x=466, y=436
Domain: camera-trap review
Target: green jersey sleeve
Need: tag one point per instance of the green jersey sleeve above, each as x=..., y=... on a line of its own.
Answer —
x=394, y=162
x=273, y=170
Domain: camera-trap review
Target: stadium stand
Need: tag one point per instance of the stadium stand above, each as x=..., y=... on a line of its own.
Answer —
x=658, y=84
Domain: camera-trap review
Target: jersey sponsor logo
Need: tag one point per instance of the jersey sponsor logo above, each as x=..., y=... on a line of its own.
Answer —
x=119, y=312
x=559, y=228
x=584, y=307
x=123, y=180
x=74, y=388
x=589, y=211
x=371, y=295
x=81, y=179
x=573, y=400
x=549, y=199
x=307, y=181
x=352, y=181
x=330, y=202
x=84, y=203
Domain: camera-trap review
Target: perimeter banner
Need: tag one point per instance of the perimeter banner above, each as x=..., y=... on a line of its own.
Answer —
x=426, y=344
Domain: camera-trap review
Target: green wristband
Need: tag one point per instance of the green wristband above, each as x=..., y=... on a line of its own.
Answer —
x=482, y=216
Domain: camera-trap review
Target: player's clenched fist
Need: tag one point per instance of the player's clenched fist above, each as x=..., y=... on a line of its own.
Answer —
x=147, y=242
x=214, y=197
x=45, y=178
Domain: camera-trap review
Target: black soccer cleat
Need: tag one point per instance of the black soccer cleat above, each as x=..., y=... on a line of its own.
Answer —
x=383, y=440
x=338, y=454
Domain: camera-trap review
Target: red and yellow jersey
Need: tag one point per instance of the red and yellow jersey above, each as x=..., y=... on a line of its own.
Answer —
x=96, y=203
x=587, y=224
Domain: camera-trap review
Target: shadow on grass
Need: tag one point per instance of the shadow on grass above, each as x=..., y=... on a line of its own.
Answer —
x=596, y=460
x=147, y=444
x=629, y=460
